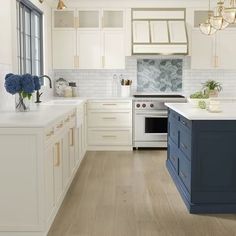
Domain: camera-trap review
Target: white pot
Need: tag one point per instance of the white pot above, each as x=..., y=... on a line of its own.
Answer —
x=125, y=91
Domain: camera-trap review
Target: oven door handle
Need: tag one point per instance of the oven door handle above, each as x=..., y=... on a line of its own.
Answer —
x=156, y=115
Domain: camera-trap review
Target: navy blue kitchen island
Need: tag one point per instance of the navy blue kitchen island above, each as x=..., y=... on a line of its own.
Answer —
x=202, y=162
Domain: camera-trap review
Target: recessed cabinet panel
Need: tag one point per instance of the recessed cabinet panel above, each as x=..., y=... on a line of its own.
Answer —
x=141, y=33
x=89, y=49
x=113, y=19
x=177, y=32
x=64, y=49
x=114, y=50
x=88, y=19
x=159, y=32
x=64, y=19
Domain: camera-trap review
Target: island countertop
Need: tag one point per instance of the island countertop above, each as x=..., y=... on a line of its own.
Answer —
x=228, y=111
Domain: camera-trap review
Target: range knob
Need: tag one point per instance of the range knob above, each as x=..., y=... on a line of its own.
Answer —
x=151, y=105
x=138, y=105
x=144, y=105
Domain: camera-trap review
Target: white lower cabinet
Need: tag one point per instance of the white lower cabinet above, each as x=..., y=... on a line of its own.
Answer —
x=36, y=174
x=109, y=124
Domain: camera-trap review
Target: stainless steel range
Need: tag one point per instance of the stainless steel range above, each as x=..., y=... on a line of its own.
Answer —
x=151, y=119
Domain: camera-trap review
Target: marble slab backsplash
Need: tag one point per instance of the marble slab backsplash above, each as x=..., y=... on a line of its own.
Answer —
x=99, y=83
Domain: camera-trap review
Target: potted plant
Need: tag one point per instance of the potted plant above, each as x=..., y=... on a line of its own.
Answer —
x=199, y=99
x=22, y=86
x=212, y=87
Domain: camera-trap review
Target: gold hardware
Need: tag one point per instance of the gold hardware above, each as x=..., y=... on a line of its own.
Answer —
x=71, y=137
x=50, y=134
x=103, y=61
x=60, y=126
x=109, y=104
x=109, y=136
x=57, y=161
x=61, y=5
x=109, y=118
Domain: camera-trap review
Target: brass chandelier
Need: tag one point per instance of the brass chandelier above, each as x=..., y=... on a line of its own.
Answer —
x=60, y=6
x=220, y=18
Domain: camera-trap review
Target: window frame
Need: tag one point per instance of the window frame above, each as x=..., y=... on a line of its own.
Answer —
x=24, y=6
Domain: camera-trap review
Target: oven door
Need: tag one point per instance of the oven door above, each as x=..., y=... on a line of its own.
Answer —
x=151, y=126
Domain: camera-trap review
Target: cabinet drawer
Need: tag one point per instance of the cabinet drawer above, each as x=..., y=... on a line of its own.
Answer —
x=173, y=154
x=185, y=143
x=110, y=105
x=109, y=119
x=185, y=172
x=173, y=130
x=110, y=137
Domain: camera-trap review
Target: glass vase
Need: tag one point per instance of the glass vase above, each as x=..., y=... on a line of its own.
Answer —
x=22, y=104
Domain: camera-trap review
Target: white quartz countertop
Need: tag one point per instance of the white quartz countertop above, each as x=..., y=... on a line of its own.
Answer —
x=39, y=116
x=228, y=111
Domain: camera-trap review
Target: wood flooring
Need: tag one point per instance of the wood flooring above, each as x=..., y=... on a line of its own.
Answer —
x=131, y=194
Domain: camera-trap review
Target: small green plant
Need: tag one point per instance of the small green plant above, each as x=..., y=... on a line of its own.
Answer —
x=199, y=95
x=212, y=85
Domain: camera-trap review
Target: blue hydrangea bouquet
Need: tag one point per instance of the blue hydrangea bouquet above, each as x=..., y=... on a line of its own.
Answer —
x=22, y=86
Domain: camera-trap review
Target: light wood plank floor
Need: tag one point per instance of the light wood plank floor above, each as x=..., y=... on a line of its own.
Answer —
x=131, y=194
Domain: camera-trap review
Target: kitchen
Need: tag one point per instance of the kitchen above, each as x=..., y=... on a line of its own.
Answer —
x=136, y=135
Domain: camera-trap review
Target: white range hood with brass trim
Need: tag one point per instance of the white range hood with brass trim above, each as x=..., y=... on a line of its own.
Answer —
x=159, y=31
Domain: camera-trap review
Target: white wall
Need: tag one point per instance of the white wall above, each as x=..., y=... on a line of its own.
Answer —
x=8, y=46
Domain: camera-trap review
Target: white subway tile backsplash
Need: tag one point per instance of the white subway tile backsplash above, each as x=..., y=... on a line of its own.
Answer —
x=99, y=82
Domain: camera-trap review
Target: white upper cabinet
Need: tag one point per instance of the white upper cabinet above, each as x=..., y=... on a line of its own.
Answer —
x=84, y=39
x=63, y=19
x=141, y=33
x=64, y=49
x=89, y=49
x=114, y=50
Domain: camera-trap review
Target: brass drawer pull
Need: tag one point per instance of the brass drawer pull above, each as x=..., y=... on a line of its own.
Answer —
x=50, y=134
x=109, y=118
x=182, y=174
x=109, y=136
x=60, y=126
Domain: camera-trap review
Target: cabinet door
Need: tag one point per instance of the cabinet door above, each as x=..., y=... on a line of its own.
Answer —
x=58, y=184
x=226, y=52
x=89, y=49
x=114, y=50
x=49, y=183
x=64, y=49
x=141, y=33
x=65, y=159
x=202, y=51
x=113, y=19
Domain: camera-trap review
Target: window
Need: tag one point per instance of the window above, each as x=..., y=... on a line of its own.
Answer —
x=29, y=34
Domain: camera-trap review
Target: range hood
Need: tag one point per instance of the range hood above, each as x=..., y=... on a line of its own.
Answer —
x=159, y=31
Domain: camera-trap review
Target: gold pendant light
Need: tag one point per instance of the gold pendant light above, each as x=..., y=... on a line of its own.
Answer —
x=206, y=28
x=217, y=21
x=61, y=5
x=229, y=14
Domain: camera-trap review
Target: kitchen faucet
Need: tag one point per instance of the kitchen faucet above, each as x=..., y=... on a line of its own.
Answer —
x=38, y=94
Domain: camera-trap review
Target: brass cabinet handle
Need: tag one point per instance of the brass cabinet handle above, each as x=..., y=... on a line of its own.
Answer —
x=58, y=156
x=72, y=137
x=109, y=104
x=109, y=136
x=60, y=126
x=50, y=133
x=109, y=118
x=183, y=175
